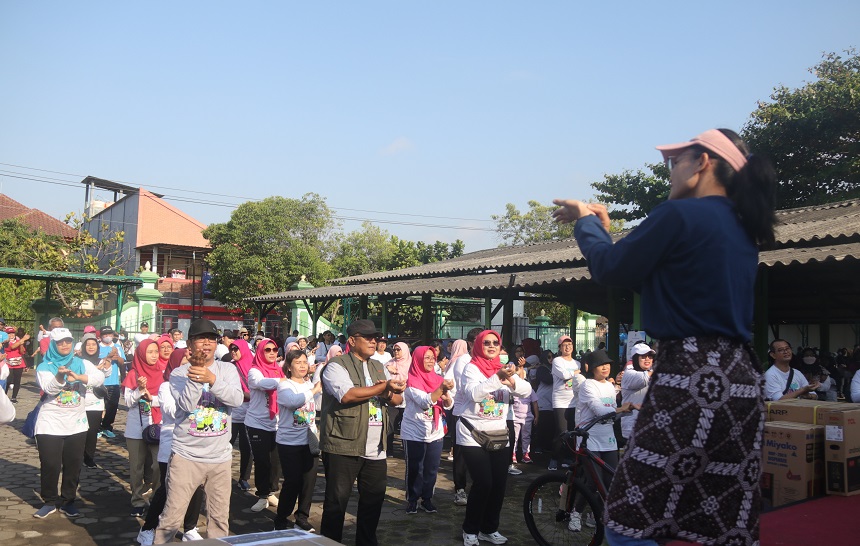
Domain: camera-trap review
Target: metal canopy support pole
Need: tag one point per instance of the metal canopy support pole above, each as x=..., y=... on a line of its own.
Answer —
x=384, y=326
x=613, y=327
x=637, y=311
x=488, y=312
x=508, y=322
x=574, y=334
x=760, y=315
x=314, y=316
x=120, y=296
x=362, y=307
x=426, y=318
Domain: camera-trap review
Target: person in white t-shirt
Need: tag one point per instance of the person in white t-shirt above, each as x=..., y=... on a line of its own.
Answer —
x=566, y=379
x=143, y=334
x=296, y=423
x=596, y=399
x=382, y=356
x=634, y=384
x=781, y=381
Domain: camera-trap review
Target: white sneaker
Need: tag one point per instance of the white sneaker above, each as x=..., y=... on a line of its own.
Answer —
x=273, y=500
x=191, y=534
x=461, y=498
x=451, y=456
x=495, y=538
x=146, y=538
x=575, y=523
x=514, y=471
x=470, y=540
x=260, y=505
x=589, y=520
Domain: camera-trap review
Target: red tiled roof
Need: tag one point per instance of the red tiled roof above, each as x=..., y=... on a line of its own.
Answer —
x=34, y=218
x=159, y=223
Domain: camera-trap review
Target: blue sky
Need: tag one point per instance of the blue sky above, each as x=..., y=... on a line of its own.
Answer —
x=424, y=112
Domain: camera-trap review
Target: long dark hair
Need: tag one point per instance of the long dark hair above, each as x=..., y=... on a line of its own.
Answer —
x=752, y=190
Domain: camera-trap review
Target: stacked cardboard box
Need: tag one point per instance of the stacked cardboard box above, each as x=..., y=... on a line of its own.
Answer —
x=802, y=411
x=792, y=462
x=842, y=450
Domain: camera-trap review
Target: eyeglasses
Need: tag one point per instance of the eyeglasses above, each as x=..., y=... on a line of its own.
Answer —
x=270, y=350
x=234, y=348
x=782, y=349
x=396, y=348
x=368, y=337
x=491, y=343
x=246, y=335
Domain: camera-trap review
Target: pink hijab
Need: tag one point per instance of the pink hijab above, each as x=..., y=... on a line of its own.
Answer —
x=421, y=379
x=401, y=364
x=333, y=352
x=479, y=358
x=270, y=370
x=246, y=360
x=458, y=349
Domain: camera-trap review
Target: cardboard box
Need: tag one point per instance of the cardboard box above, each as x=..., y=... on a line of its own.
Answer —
x=792, y=462
x=803, y=411
x=842, y=451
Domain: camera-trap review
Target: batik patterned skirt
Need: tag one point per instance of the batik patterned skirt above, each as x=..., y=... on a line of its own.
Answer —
x=691, y=469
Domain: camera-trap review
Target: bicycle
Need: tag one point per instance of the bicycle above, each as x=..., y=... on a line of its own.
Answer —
x=550, y=498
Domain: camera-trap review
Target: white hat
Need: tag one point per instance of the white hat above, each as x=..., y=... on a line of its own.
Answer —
x=642, y=349
x=61, y=333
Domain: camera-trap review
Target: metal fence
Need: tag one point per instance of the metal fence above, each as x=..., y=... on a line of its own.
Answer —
x=585, y=339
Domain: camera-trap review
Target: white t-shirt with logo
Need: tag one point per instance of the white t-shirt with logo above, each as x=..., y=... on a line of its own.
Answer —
x=418, y=420
x=596, y=399
x=565, y=382
x=297, y=412
x=775, y=381
x=64, y=410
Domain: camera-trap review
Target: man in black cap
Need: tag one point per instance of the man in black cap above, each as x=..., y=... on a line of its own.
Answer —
x=206, y=392
x=353, y=433
x=111, y=350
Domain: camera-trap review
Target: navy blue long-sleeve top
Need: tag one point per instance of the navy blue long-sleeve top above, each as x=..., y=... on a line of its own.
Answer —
x=691, y=261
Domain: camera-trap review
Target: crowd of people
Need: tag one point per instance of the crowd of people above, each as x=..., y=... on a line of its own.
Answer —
x=693, y=260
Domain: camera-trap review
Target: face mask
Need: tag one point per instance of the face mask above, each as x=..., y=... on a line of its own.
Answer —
x=107, y=340
x=809, y=360
x=503, y=358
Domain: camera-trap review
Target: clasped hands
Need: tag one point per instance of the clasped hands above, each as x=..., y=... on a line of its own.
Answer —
x=571, y=210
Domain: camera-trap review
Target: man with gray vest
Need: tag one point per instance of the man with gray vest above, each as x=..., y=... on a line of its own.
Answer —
x=353, y=432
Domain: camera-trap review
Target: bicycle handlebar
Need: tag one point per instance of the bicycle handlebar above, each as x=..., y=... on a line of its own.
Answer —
x=582, y=429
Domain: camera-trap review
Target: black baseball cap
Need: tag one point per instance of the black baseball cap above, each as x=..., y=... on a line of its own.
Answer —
x=105, y=330
x=363, y=327
x=201, y=327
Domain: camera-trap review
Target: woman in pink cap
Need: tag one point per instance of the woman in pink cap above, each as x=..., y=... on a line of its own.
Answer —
x=691, y=469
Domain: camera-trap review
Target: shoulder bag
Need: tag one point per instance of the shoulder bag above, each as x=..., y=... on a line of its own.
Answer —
x=151, y=434
x=491, y=440
x=29, y=428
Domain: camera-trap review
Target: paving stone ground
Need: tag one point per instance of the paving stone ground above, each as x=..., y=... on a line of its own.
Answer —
x=104, y=498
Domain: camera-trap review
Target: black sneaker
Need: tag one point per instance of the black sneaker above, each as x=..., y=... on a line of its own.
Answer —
x=138, y=511
x=89, y=463
x=304, y=525
x=14, y=400
x=412, y=507
x=70, y=511
x=428, y=506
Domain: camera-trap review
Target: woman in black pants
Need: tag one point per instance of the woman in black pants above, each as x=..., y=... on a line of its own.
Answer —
x=95, y=405
x=488, y=388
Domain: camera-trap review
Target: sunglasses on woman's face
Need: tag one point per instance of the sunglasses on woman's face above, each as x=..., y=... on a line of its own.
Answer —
x=234, y=348
x=270, y=350
x=491, y=343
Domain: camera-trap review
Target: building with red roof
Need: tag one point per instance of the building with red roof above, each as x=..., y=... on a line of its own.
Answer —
x=34, y=218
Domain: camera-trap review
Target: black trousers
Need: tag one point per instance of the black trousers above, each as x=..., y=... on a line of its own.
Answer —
x=60, y=454
x=542, y=437
x=14, y=379
x=461, y=473
x=489, y=471
x=565, y=419
x=610, y=458
x=395, y=417
x=341, y=472
x=156, y=505
x=94, y=418
x=300, y=477
x=111, y=405
x=245, y=456
x=267, y=466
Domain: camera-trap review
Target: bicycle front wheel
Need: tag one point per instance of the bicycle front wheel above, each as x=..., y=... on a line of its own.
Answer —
x=547, y=506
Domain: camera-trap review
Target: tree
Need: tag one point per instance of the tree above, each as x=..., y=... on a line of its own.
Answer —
x=535, y=225
x=637, y=192
x=812, y=134
x=363, y=251
x=22, y=247
x=268, y=245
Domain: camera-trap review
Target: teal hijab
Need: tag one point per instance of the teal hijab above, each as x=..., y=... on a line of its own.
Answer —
x=54, y=361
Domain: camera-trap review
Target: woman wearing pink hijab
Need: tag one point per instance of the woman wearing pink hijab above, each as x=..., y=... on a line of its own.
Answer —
x=243, y=359
x=261, y=422
x=423, y=428
x=398, y=369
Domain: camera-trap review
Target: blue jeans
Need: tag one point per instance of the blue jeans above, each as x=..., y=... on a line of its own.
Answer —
x=422, y=467
x=616, y=539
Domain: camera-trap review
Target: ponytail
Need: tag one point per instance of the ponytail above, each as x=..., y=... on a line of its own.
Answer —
x=752, y=190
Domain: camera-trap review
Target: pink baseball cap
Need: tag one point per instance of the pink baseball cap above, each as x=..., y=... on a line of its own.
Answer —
x=90, y=328
x=712, y=140
x=562, y=339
